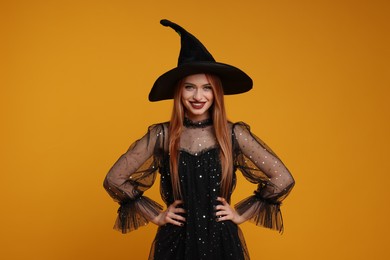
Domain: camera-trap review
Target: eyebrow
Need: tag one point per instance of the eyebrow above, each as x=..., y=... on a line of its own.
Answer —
x=205, y=85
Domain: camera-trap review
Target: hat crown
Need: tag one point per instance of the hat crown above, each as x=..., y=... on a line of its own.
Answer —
x=192, y=50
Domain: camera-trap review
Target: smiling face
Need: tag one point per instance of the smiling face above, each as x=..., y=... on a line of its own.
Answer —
x=197, y=97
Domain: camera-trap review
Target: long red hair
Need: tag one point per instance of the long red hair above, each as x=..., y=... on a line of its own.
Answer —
x=218, y=114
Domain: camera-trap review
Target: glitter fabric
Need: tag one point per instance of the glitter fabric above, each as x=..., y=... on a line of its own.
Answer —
x=201, y=237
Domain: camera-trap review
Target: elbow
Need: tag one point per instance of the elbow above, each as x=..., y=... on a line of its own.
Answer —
x=291, y=181
x=112, y=189
x=290, y=184
x=109, y=182
x=106, y=183
x=285, y=187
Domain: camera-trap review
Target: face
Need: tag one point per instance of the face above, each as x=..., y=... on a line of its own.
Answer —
x=197, y=97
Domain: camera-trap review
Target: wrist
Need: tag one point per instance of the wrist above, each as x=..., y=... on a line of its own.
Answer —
x=238, y=219
x=157, y=219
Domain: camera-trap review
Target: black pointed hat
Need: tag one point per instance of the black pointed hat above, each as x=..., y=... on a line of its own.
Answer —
x=194, y=58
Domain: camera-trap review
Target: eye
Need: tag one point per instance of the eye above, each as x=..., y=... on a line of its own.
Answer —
x=188, y=87
x=207, y=88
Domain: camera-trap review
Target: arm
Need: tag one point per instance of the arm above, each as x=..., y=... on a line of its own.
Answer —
x=261, y=166
x=130, y=176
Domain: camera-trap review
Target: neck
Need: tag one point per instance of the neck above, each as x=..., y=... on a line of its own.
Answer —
x=197, y=124
x=196, y=118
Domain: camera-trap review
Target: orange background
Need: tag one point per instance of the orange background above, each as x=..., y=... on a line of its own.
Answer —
x=74, y=79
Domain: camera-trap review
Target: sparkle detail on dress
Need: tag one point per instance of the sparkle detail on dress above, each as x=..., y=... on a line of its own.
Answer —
x=199, y=171
x=199, y=124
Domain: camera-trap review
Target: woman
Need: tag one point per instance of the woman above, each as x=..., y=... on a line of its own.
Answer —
x=197, y=154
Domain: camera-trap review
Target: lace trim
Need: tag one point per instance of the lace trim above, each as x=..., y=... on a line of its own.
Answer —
x=199, y=124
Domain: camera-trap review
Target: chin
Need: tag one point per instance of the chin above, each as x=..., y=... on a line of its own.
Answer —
x=200, y=115
x=197, y=114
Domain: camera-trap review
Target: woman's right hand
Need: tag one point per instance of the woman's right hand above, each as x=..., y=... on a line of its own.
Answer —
x=171, y=215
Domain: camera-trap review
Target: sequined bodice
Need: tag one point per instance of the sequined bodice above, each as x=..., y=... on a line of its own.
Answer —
x=196, y=171
x=200, y=177
x=199, y=164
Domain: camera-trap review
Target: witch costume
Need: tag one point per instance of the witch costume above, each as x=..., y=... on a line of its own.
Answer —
x=199, y=169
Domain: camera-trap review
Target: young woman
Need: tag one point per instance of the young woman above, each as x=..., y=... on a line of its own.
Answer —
x=197, y=154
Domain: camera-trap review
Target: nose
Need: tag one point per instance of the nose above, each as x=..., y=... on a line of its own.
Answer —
x=198, y=95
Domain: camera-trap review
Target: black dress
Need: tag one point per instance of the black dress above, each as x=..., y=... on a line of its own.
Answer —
x=201, y=237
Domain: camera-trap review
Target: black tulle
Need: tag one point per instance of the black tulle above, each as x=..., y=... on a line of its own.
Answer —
x=201, y=237
x=129, y=217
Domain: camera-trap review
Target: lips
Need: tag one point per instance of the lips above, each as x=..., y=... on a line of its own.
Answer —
x=197, y=105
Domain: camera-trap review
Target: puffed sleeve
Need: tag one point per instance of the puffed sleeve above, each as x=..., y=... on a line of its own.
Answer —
x=260, y=165
x=132, y=174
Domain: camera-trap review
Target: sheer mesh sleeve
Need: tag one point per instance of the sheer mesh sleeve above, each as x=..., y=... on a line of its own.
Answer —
x=131, y=175
x=260, y=165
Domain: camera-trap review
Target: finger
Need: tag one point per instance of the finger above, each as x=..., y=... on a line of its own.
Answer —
x=177, y=202
x=220, y=207
x=175, y=222
x=178, y=218
x=170, y=218
x=178, y=210
x=223, y=218
x=222, y=200
x=175, y=216
x=175, y=219
x=222, y=213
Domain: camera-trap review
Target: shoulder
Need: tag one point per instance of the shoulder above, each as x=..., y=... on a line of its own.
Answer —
x=241, y=133
x=158, y=127
x=238, y=127
x=158, y=131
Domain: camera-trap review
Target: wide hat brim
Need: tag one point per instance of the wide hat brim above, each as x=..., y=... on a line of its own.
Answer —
x=234, y=80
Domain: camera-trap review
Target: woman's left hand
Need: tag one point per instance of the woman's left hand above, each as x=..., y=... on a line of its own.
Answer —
x=226, y=212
